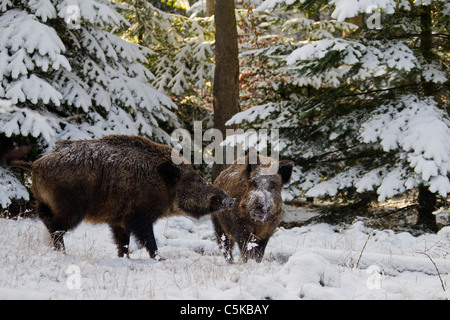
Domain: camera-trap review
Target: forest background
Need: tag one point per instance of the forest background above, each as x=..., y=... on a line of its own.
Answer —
x=358, y=90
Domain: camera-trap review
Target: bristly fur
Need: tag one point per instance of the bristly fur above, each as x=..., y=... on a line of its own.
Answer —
x=259, y=208
x=127, y=182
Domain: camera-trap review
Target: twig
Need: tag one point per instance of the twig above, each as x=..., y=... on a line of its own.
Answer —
x=362, y=251
x=435, y=266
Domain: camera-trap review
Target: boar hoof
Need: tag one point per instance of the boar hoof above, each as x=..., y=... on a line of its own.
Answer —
x=58, y=241
x=156, y=256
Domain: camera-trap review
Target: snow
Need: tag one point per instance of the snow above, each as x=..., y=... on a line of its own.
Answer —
x=375, y=57
x=312, y=262
x=252, y=114
x=101, y=75
x=10, y=188
x=421, y=131
x=343, y=9
x=43, y=9
x=272, y=4
x=340, y=181
x=351, y=8
x=95, y=12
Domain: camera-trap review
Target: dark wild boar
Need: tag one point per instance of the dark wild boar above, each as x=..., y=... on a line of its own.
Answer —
x=258, y=209
x=127, y=182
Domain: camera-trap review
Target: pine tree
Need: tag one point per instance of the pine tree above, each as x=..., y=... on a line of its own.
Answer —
x=64, y=76
x=184, y=66
x=366, y=113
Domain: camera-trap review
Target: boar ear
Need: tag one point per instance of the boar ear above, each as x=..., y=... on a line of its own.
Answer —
x=285, y=170
x=169, y=171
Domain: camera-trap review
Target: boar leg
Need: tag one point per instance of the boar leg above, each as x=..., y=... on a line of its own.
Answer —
x=226, y=246
x=243, y=245
x=252, y=248
x=142, y=228
x=259, y=252
x=56, y=226
x=122, y=240
x=225, y=243
x=148, y=240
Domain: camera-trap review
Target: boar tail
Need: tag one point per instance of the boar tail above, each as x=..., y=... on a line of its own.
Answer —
x=13, y=156
x=21, y=164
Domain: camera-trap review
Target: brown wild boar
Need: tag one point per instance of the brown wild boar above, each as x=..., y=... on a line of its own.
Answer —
x=127, y=182
x=258, y=209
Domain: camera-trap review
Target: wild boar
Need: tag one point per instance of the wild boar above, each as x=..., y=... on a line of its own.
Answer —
x=258, y=209
x=127, y=182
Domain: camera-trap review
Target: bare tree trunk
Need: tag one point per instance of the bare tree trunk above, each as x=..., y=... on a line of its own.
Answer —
x=427, y=204
x=426, y=44
x=210, y=4
x=226, y=76
x=427, y=199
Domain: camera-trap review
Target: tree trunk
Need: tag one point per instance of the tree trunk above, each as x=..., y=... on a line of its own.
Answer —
x=226, y=76
x=427, y=204
x=210, y=4
x=426, y=44
x=427, y=199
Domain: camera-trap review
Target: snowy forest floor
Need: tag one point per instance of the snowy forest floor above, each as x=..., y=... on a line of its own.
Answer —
x=318, y=261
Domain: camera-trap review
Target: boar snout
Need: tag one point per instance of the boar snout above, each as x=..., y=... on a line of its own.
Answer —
x=258, y=212
x=229, y=203
x=221, y=201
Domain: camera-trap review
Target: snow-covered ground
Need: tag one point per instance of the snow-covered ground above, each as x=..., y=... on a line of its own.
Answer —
x=313, y=262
